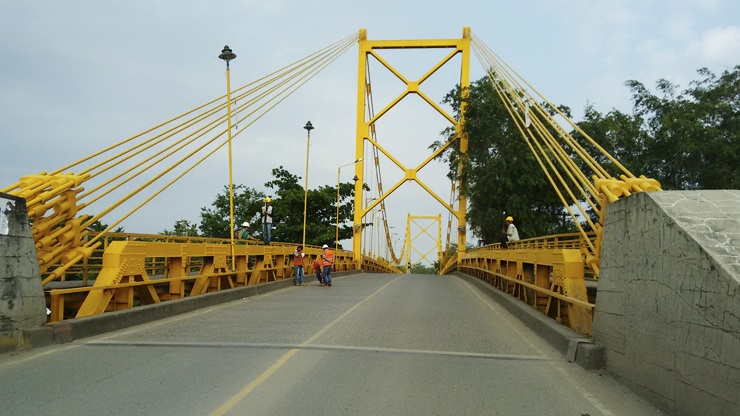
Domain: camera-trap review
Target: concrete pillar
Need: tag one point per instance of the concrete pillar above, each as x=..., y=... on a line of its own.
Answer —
x=667, y=308
x=22, y=303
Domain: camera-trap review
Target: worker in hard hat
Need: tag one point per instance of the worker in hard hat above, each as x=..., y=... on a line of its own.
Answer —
x=267, y=220
x=327, y=261
x=509, y=233
x=243, y=232
x=298, y=258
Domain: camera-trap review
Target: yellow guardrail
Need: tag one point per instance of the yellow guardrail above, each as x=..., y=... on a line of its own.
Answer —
x=547, y=273
x=139, y=269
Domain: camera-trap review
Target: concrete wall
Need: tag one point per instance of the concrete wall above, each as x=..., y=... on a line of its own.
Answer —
x=668, y=305
x=22, y=303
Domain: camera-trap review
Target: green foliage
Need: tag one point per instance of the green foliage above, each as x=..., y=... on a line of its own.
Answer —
x=183, y=228
x=98, y=226
x=214, y=220
x=500, y=174
x=686, y=140
x=287, y=205
x=419, y=268
x=321, y=211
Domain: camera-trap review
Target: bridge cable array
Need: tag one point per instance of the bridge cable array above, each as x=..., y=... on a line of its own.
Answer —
x=558, y=153
x=174, y=147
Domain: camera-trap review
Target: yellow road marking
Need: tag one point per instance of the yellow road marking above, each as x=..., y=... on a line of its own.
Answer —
x=229, y=404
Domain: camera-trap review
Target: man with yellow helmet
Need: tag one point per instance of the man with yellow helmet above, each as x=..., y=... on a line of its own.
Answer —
x=509, y=233
x=267, y=220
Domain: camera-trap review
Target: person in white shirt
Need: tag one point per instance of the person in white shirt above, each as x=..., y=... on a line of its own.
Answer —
x=509, y=233
x=267, y=220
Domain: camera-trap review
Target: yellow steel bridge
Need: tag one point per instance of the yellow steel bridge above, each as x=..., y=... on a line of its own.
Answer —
x=118, y=271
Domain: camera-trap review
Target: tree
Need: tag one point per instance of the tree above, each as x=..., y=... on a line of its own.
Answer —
x=287, y=203
x=499, y=173
x=214, y=220
x=419, y=268
x=321, y=211
x=685, y=140
x=98, y=227
x=183, y=228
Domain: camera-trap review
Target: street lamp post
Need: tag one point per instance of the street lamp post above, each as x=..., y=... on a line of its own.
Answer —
x=339, y=169
x=308, y=128
x=227, y=55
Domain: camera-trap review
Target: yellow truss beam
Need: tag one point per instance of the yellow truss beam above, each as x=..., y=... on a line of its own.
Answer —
x=365, y=126
x=411, y=219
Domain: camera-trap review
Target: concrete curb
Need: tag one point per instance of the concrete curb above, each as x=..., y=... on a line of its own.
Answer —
x=574, y=346
x=75, y=329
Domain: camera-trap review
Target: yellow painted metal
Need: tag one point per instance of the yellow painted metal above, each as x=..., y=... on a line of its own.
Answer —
x=463, y=200
x=231, y=164
x=339, y=170
x=148, y=272
x=412, y=220
x=365, y=126
x=144, y=269
x=305, y=189
x=175, y=147
x=541, y=273
x=563, y=159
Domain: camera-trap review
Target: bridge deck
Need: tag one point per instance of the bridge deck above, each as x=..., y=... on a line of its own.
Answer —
x=371, y=344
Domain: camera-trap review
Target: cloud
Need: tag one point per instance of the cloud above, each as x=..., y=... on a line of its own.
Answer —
x=718, y=45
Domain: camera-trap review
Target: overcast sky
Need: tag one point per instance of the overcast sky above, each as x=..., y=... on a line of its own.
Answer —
x=76, y=76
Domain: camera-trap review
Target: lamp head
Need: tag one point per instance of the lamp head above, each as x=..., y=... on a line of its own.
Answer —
x=308, y=127
x=227, y=54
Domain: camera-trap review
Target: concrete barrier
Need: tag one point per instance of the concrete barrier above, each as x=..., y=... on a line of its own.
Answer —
x=75, y=329
x=22, y=303
x=574, y=346
x=667, y=307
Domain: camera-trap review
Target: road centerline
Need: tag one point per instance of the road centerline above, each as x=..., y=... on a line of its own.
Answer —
x=229, y=404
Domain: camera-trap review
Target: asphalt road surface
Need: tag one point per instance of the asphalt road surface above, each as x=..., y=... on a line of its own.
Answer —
x=372, y=344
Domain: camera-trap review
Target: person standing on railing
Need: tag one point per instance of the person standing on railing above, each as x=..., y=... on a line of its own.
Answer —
x=298, y=256
x=267, y=220
x=509, y=233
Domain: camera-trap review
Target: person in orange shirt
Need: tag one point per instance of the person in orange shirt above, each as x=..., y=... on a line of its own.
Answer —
x=319, y=270
x=298, y=255
x=327, y=261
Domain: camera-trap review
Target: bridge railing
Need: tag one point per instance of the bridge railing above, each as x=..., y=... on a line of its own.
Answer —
x=548, y=273
x=88, y=268
x=136, y=269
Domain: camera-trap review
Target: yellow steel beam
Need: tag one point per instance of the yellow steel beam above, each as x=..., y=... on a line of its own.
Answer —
x=550, y=280
x=364, y=127
x=411, y=219
x=151, y=272
x=462, y=206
